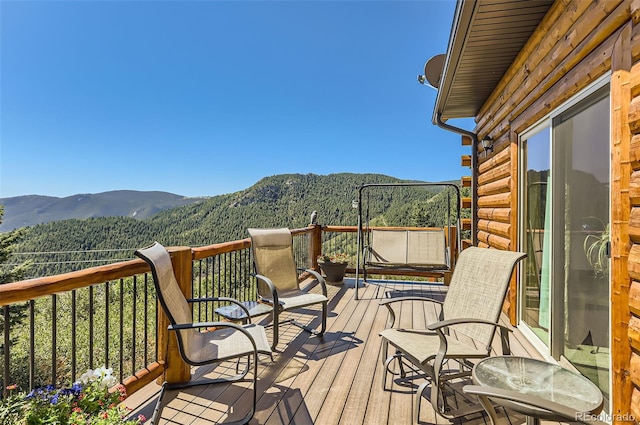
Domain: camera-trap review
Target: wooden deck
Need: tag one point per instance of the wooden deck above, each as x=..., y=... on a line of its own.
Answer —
x=335, y=379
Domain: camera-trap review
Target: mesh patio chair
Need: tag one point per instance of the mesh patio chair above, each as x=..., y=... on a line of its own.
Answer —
x=277, y=276
x=468, y=321
x=222, y=340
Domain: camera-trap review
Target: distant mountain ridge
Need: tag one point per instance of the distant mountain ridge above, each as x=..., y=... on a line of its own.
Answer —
x=285, y=200
x=29, y=210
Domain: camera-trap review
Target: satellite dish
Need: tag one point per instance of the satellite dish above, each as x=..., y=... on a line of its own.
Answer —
x=433, y=70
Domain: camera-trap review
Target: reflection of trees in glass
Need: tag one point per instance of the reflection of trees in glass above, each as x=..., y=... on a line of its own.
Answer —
x=536, y=198
x=536, y=210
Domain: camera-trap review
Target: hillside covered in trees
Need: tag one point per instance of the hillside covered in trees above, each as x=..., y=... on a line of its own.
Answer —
x=285, y=200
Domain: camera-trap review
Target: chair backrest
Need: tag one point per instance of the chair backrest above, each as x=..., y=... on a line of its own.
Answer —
x=478, y=287
x=388, y=246
x=409, y=247
x=273, y=258
x=427, y=247
x=168, y=291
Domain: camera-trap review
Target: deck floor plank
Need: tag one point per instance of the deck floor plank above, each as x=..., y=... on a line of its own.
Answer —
x=357, y=401
x=329, y=381
x=321, y=373
x=312, y=357
x=401, y=408
x=343, y=382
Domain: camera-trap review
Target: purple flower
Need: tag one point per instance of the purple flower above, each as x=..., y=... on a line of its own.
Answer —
x=76, y=388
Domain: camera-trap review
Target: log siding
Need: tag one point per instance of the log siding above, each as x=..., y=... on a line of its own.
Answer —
x=576, y=43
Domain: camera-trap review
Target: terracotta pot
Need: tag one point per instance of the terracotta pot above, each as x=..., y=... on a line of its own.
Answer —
x=334, y=272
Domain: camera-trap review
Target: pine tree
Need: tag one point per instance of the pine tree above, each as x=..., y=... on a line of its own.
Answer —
x=11, y=273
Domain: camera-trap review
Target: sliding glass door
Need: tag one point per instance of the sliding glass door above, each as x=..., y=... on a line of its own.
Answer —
x=565, y=230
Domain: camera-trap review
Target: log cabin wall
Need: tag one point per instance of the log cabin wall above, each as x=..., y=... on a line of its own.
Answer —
x=576, y=43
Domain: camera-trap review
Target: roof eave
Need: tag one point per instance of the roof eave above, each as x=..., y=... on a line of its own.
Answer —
x=463, y=17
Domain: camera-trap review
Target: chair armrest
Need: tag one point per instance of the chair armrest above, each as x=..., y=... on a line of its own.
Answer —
x=504, y=331
x=527, y=400
x=460, y=321
x=393, y=300
x=318, y=277
x=271, y=286
x=198, y=325
x=392, y=315
x=226, y=299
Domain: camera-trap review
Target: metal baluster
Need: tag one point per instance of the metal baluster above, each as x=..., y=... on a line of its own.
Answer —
x=121, y=351
x=54, y=341
x=91, y=336
x=134, y=316
x=32, y=344
x=234, y=271
x=5, y=350
x=208, y=283
x=106, y=324
x=74, y=319
x=229, y=275
x=146, y=320
x=200, y=291
x=245, y=289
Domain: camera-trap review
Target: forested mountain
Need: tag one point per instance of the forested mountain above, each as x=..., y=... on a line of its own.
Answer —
x=278, y=201
x=22, y=211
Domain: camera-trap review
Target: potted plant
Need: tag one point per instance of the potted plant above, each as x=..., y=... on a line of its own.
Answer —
x=333, y=266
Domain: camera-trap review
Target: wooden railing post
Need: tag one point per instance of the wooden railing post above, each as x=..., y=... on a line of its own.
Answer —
x=315, y=248
x=176, y=370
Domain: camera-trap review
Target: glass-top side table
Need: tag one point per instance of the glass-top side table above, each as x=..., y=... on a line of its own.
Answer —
x=540, y=379
x=233, y=312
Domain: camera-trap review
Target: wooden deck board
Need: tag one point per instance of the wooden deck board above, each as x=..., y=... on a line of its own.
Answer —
x=320, y=357
x=336, y=379
x=401, y=407
x=348, y=367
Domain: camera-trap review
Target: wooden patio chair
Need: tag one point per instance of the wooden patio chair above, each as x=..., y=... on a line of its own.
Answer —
x=277, y=275
x=468, y=321
x=220, y=342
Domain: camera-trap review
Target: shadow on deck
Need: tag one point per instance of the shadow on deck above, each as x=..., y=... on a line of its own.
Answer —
x=336, y=379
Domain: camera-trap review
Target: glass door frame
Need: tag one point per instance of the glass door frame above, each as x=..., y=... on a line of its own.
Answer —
x=541, y=126
x=553, y=352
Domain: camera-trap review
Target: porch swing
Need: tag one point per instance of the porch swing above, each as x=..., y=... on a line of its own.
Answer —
x=408, y=251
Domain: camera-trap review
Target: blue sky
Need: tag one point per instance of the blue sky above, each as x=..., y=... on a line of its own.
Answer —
x=202, y=98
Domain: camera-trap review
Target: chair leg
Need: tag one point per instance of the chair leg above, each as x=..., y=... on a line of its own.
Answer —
x=419, y=393
x=276, y=327
x=387, y=369
x=158, y=408
x=439, y=398
x=324, y=318
x=313, y=331
x=246, y=419
x=488, y=407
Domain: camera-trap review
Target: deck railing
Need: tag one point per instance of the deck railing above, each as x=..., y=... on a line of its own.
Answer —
x=57, y=327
